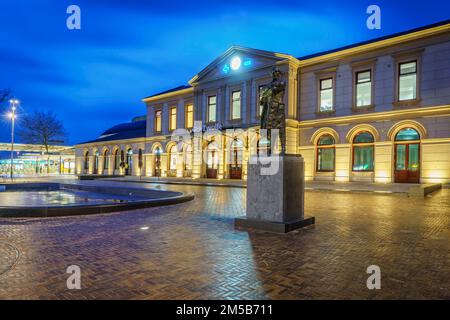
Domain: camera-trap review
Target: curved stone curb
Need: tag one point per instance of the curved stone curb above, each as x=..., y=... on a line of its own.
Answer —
x=88, y=209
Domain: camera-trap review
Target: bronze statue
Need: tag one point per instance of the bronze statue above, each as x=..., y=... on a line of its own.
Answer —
x=272, y=104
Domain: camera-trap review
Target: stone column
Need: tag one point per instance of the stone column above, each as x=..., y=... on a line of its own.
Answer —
x=275, y=197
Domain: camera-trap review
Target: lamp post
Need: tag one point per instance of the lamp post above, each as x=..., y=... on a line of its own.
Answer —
x=13, y=104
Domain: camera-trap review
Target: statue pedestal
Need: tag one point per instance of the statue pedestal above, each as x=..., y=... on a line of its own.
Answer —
x=275, y=201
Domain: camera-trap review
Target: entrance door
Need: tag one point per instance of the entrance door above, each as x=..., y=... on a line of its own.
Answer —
x=407, y=163
x=212, y=162
x=235, y=167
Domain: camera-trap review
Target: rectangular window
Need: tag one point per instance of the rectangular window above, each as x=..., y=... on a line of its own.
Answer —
x=407, y=81
x=189, y=116
x=326, y=95
x=260, y=91
x=236, y=105
x=363, y=88
x=158, y=114
x=363, y=158
x=173, y=119
x=212, y=108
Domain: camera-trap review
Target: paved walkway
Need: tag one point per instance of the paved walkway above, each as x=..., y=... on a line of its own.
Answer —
x=192, y=251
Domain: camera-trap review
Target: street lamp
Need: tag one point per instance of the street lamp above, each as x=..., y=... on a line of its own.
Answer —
x=13, y=103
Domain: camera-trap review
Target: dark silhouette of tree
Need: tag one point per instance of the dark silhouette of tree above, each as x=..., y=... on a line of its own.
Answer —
x=42, y=128
x=4, y=95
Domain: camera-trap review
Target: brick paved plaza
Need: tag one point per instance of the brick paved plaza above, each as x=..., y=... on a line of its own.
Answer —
x=191, y=251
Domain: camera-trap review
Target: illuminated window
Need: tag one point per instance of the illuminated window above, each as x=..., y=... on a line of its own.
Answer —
x=212, y=108
x=189, y=116
x=236, y=105
x=363, y=149
x=407, y=134
x=363, y=88
x=173, y=119
x=326, y=95
x=325, y=153
x=407, y=81
x=158, y=114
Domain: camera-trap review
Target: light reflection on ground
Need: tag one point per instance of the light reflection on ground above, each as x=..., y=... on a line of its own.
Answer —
x=58, y=198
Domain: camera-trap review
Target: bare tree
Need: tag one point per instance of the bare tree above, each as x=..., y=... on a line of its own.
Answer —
x=4, y=95
x=41, y=128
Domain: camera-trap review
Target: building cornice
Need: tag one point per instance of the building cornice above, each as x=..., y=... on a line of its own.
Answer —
x=386, y=115
x=376, y=45
x=168, y=95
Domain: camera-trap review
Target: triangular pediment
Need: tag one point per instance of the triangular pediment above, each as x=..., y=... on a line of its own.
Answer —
x=237, y=60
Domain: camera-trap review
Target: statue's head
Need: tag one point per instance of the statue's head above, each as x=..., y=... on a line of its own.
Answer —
x=276, y=73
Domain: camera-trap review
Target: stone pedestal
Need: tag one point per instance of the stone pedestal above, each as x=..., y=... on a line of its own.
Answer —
x=275, y=198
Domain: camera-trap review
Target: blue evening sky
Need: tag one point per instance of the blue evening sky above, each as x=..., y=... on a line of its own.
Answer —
x=95, y=77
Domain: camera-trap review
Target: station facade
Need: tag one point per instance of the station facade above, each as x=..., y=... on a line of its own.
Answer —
x=376, y=111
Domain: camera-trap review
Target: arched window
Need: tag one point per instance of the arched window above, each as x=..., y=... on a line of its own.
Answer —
x=173, y=154
x=86, y=160
x=96, y=155
x=116, y=159
x=129, y=163
x=105, y=160
x=325, y=153
x=363, y=150
x=407, y=134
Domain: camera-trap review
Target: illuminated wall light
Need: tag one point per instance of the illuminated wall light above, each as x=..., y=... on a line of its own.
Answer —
x=236, y=63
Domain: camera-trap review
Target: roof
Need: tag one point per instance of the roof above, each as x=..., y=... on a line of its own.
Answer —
x=169, y=91
x=129, y=130
x=441, y=23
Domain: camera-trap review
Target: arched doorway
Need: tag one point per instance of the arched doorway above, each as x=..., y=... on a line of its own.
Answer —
x=407, y=156
x=157, y=162
x=235, y=166
x=212, y=160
